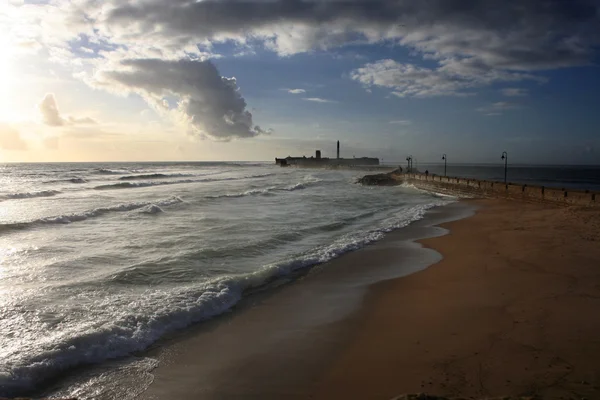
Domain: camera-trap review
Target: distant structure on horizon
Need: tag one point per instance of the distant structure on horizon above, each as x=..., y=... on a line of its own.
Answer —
x=318, y=161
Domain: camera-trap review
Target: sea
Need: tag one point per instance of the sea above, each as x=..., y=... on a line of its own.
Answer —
x=100, y=261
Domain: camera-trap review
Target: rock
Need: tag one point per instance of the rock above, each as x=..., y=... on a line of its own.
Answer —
x=387, y=179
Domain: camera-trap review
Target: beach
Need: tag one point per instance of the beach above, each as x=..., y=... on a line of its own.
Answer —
x=510, y=310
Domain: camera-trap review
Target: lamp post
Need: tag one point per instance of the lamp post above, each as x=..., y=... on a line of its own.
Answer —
x=505, y=158
x=409, y=164
x=445, y=158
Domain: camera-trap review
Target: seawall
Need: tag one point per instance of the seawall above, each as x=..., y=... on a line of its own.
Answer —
x=491, y=189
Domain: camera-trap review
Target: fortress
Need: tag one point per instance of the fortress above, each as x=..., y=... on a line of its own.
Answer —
x=318, y=161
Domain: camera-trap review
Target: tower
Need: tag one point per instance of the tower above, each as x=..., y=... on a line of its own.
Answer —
x=338, y=149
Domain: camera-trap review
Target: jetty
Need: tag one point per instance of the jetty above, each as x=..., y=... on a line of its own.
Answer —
x=477, y=188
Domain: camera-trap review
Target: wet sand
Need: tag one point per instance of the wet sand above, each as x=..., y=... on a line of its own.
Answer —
x=512, y=309
x=280, y=343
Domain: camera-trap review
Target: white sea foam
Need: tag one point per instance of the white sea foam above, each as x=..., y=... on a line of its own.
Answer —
x=152, y=176
x=251, y=192
x=268, y=190
x=84, y=293
x=28, y=195
x=82, y=216
x=106, y=171
x=130, y=322
x=434, y=193
x=151, y=209
x=133, y=185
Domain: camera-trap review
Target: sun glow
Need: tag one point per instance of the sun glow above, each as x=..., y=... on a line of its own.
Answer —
x=5, y=78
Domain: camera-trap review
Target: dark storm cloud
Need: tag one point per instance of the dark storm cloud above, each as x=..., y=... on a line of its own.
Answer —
x=511, y=34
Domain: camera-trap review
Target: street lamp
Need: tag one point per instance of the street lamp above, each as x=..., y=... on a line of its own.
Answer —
x=445, y=158
x=505, y=158
x=409, y=163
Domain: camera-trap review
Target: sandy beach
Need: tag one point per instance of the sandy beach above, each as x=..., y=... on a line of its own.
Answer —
x=511, y=309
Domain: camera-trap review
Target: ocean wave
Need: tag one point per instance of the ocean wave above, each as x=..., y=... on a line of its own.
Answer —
x=251, y=192
x=151, y=209
x=134, y=185
x=27, y=195
x=77, y=217
x=300, y=185
x=71, y=180
x=129, y=323
x=265, y=191
x=152, y=176
x=129, y=185
x=434, y=193
x=106, y=171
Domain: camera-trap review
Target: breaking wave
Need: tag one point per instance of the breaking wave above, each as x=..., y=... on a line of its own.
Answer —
x=133, y=185
x=151, y=209
x=27, y=195
x=301, y=185
x=71, y=180
x=129, y=326
x=152, y=176
x=106, y=171
x=77, y=217
x=266, y=191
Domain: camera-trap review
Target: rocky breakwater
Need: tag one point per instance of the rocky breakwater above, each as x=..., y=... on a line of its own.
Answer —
x=387, y=179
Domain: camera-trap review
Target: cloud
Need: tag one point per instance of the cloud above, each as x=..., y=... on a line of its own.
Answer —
x=466, y=44
x=10, y=138
x=319, y=100
x=192, y=92
x=29, y=46
x=498, y=108
x=454, y=77
x=507, y=35
x=401, y=122
x=514, y=92
x=296, y=91
x=51, y=115
x=511, y=33
x=49, y=110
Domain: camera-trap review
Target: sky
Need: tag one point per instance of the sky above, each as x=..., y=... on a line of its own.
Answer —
x=207, y=80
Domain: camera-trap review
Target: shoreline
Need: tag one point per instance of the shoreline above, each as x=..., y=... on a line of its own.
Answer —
x=279, y=344
x=342, y=295
x=508, y=311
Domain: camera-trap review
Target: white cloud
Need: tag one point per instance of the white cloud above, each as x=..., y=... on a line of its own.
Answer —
x=319, y=100
x=51, y=115
x=296, y=91
x=454, y=77
x=515, y=92
x=401, y=122
x=193, y=93
x=49, y=110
